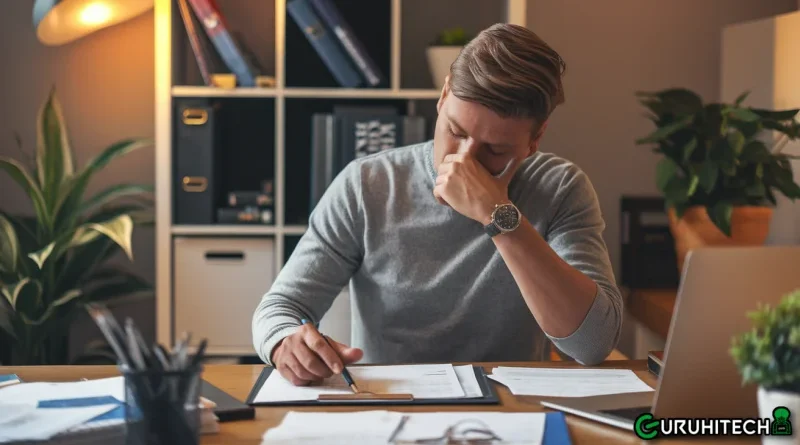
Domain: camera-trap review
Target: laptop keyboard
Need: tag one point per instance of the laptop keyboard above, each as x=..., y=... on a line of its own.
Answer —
x=627, y=413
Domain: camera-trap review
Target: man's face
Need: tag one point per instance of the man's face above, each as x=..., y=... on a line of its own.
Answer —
x=468, y=127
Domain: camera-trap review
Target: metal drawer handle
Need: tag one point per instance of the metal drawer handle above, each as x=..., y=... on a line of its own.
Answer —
x=195, y=116
x=225, y=256
x=194, y=184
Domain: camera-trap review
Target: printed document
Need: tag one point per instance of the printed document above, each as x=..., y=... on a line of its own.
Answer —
x=310, y=428
x=554, y=382
x=381, y=427
x=52, y=408
x=422, y=381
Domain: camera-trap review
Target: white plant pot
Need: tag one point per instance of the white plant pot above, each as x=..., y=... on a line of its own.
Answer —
x=767, y=401
x=439, y=60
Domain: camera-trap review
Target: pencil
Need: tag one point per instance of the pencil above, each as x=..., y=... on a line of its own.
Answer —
x=345, y=373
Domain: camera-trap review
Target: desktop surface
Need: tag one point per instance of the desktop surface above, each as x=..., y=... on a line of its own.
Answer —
x=237, y=380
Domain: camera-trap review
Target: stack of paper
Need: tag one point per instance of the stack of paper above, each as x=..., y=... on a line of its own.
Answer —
x=85, y=412
x=61, y=410
x=554, y=382
x=381, y=427
x=209, y=422
x=443, y=381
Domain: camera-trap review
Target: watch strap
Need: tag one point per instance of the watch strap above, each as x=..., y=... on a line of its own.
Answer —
x=491, y=229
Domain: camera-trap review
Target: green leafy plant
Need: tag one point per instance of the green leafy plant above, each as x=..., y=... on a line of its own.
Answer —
x=719, y=155
x=55, y=261
x=452, y=37
x=769, y=354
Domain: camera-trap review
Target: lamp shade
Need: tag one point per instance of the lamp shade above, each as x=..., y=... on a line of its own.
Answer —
x=61, y=21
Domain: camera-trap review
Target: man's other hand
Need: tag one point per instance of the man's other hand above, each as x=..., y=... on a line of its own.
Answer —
x=306, y=357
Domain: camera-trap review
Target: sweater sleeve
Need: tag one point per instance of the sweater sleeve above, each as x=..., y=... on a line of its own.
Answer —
x=576, y=235
x=325, y=258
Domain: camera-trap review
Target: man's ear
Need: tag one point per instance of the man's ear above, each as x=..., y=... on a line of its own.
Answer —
x=534, y=147
x=443, y=95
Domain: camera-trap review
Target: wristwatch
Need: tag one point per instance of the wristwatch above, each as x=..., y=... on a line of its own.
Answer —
x=505, y=218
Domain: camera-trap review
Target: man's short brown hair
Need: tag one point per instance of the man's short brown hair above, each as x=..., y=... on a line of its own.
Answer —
x=510, y=70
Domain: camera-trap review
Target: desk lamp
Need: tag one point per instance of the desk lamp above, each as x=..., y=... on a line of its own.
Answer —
x=61, y=21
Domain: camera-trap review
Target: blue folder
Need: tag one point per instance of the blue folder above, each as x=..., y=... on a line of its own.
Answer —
x=555, y=429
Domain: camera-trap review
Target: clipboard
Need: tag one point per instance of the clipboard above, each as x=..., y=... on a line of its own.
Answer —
x=489, y=396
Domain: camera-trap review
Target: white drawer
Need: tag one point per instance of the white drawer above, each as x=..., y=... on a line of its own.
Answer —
x=218, y=284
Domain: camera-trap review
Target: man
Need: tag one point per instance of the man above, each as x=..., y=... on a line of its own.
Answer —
x=470, y=247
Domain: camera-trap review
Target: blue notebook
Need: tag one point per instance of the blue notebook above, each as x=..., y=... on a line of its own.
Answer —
x=555, y=429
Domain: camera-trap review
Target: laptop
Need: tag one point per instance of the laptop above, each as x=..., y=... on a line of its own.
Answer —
x=699, y=379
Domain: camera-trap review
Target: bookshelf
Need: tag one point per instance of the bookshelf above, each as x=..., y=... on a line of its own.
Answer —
x=394, y=32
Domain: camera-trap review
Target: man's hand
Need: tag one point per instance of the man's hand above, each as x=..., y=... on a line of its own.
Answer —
x=305, y=356
x=466, y=186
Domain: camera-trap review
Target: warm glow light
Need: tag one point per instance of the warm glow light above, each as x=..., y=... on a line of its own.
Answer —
x=95, y=13
x=61, y=21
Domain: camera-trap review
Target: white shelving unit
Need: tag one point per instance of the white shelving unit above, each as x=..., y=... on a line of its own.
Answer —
x=169, y=33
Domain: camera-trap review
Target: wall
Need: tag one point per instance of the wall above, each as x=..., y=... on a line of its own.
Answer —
x=105, y=83
x=612, y=49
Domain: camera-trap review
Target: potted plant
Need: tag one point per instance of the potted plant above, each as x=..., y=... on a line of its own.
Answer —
x=721, y=167
x=769, y=356
x=442, y=52
x=55, y=261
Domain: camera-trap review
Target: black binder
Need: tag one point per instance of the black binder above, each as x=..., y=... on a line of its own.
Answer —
x=193, y=178
x=647, y=246
x=489, y=395
x=228, y=408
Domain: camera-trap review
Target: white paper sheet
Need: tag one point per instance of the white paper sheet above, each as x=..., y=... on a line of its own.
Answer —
x=36, y=391
x=422, y=381
x=516, y=428
x=309, y=428
x=44, y=423
x=469, y=383
x=553, y=382
x=378, y=426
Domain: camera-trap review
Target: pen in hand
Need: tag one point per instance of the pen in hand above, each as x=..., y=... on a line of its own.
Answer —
x=345, y=373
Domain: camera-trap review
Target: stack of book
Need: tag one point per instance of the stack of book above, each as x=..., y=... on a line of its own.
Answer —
x=249, y=206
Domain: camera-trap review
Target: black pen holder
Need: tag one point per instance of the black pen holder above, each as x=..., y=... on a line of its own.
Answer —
x=162, y=407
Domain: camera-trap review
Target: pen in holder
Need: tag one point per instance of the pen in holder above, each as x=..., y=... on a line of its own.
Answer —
x=162, y=388
x=162, y=407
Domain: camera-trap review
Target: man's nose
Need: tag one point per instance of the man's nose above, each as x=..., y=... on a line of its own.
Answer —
x=468, y=146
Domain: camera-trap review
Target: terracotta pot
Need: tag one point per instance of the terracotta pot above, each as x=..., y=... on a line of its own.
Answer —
x=749, y=227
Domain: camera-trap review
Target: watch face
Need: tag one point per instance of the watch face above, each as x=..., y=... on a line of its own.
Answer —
x=506, y=217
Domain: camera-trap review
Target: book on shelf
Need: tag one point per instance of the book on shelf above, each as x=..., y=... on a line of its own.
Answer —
x=353, y=132
x=199, y=44
x=228, y=46
x=325, y=43
x=347, y=39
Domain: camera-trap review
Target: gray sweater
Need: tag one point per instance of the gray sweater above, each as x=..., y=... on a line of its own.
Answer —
x=426, y=283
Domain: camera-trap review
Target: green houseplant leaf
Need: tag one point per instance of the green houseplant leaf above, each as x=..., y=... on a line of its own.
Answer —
x=72, y=192
x=53, y=151
x=55, y=261
x=769, y=354
x=714, y=155
x=20, y=174
x=9, y=245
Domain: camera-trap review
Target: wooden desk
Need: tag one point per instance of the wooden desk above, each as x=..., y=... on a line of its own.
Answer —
x=237, y=380
x=652, y=308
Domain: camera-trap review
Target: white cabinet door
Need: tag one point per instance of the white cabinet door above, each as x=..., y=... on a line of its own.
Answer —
x=218, y=284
